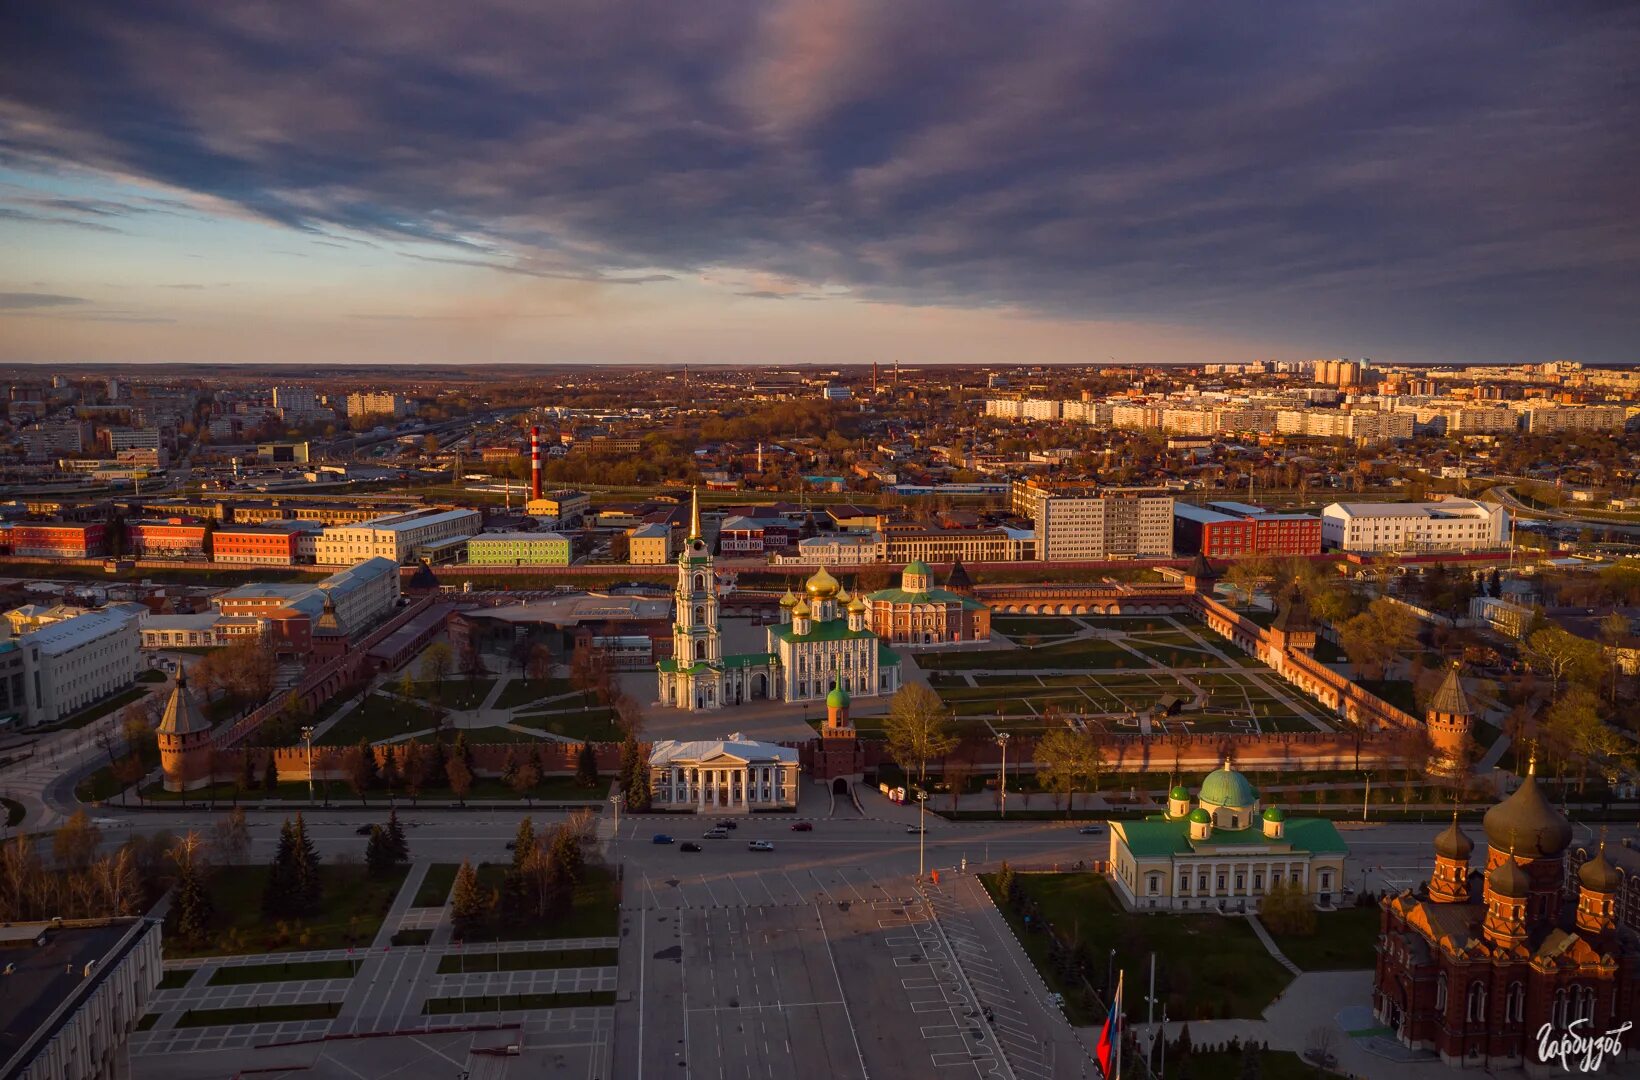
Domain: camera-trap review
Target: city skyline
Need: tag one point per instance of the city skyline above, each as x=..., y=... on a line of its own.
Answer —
x=816, y=184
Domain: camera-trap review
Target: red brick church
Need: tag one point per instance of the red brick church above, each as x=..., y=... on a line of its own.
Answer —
x=1475, y=963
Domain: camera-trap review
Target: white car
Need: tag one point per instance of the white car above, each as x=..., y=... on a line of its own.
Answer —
x=760, y=845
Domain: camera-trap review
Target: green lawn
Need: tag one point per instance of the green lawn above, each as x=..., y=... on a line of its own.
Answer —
x=1398, y=692
x=407, y=938
x=518, y=1002
x=534, y=960
x=1207, y=966
x=1343, y=941
x=435, y=886
x=1045, y=626
x=493, y=734
x=152, y=675
x=375, y=718
x=593, y=913
x=351, y=912
x=175, y=980
x=240, y=974
x=596, y=724
x=148, y=1020
x=259, y=1014
x=523, y=691
x=96, y=711
x=458, y=693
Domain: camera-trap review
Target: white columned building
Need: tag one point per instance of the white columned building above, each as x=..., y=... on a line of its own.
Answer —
x=729, y=775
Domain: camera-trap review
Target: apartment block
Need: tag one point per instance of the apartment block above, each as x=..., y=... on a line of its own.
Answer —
x=1082, y=523
x=1388, y=528
x=398, y=537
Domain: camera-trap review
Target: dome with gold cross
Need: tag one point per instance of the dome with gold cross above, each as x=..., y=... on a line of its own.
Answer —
x=822, y=586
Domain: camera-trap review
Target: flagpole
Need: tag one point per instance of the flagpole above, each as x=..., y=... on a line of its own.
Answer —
x=1121, y=976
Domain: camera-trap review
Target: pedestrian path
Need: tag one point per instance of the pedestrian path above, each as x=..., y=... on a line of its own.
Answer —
x=401, y=903
x=1270, y=944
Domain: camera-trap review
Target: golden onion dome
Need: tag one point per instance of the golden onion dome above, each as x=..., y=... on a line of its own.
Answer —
x=789, y=600
x=842, y=595
x=856, y=605
x=801, y=610
x=822, y=586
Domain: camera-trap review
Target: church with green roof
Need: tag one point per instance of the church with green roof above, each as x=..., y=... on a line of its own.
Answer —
x=921, y=613
x=1224, y=853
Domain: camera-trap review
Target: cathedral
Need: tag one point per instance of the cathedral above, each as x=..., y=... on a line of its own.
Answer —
x=822, y=642
x=1481, y=964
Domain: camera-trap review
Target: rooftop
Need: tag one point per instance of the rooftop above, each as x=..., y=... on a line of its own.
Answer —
x=517, y=537
x=51, y=976
x=69, y=634
x=735, y=746
x=1155, y=836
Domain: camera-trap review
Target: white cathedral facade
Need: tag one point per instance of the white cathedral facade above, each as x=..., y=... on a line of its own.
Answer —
x=822, y=641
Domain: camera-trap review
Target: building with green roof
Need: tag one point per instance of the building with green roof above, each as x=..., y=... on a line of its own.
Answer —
x=1222, y=854
x=921, y=613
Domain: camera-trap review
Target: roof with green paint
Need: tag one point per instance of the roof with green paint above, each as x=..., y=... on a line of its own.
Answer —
x=1275, y=813
x=1179, y=792
x=837, y=699
x=917, y=566
x=1199, y=816
x=932, y=596
x=1156, y=837
x=1227, y=787
x=887, y=657
x=830, y=630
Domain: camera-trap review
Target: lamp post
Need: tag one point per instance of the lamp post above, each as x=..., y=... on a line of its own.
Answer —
x=1366, y=796
x=615, y=844
x=922, y=810
x=1002, y=741
x=307, y=737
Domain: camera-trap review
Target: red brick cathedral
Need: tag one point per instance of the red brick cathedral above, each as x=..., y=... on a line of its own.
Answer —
x=1475, y=964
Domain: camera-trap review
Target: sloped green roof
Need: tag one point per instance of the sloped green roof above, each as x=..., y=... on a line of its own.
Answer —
x=1155, y=837
x=837, y=699
x=1227, y=787
x=1199, y=816
x=887, y=657
x=750, y=659
x=830, y=630
x=932, y=596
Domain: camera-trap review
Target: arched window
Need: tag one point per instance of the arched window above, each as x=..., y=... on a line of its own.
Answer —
x=1440, y=992
x=700, y=582
x=1514, y=1009
x=1475, y=1010
x=700, y=616
x=1558, y=1013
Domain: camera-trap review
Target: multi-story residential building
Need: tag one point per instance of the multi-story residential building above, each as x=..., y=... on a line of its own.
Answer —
x=1136, y=417
x=1079, y=522
x=297, y=404
x=275, y=543
x=1447, y=525
x=375, y=404
x=71, y=663
x=565, y=507
x=166, y=538
x=1005, y=408
x=363, y=595
x=650, y=545
x=252, y=513
x=395, y=536
x=44, y=442
x=1549, y=419
x=739, y=535
x=519, y=549
x=1039, y=409
x=59, y=539
x=1229, y=530
x=75, y=990
x=116, y=439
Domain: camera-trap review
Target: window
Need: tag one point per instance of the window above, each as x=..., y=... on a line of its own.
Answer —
x=1440, y=992
x=1515, y=1004
x=1475, y=1009
x=1221, y=881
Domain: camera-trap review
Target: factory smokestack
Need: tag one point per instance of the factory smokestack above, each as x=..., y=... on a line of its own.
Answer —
x=535, y=463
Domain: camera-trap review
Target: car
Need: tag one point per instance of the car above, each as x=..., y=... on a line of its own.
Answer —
x=1091, y=830
x=660, y=838
x=363, y=830
x=716, y=833
x=760, y=845
x=726, y=825
x=802, y=826
x=688, y=845
x=913, y=830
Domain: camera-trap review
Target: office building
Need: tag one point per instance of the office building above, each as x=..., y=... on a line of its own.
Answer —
x=563, y=508
x=1087, y=523
x=1230, y=530
x=71, y=663
x=519, y=549
x=59, y=539
x=400, y=537
x=649, y=545
x=1411, y=528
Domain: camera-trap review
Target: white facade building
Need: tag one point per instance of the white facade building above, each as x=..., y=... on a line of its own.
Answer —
x=1113, y=523
x=395, y=536
x=843, y=549
x=70, y=664
x=1448, y=525
x=378, y=404
x=732, y=774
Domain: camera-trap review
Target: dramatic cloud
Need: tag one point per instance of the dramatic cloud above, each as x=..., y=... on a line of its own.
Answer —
x=1456, y=177
x=23, y=301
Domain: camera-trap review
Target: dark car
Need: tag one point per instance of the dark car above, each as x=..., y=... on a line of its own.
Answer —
x=688, y=845
x=913, y=830
x=363, y=830
x=726, y=824
x=1091, y=830
x=660, y=838
x=802, y=826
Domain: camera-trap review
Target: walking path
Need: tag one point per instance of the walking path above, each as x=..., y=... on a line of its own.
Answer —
x=1270, y=944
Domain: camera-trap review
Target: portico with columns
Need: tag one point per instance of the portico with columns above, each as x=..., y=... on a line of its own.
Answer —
x=730, y=775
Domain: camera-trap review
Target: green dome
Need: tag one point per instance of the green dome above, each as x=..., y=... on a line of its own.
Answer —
x=1274, y=814
x=1227, y=787
x=1179, y=793
x=837, y=699
x=917, y=566
x=1201, y=817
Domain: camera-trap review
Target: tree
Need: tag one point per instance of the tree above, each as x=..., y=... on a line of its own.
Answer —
x=1562, y=655
x=917, y=728
x=461, y=778
x=466, y=900
x=270, y=774
x=279, y=893
x=74, y=845
x=526, y=779
x=395, y=836
x=1375, y=638
x=233, y=837
x=1251, y=1066
x=472, y=663
x=390, y=770
x=307, y=887
x=957, y=772
x=509, y=766
x=1286, y=909
x=1005, y=880
x=415, y=770
x=362, y=774
x=635, y=784
x=1614, y=630
x=586, y=766
x=1056, y=763
x=193, y=903
x=564, y=853
x=247, y=772
x=436, y=664
x=1573, y=722
x=378, y=853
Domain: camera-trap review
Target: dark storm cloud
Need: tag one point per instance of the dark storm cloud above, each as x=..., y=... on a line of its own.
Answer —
x=1454, y=177
x=19, y=301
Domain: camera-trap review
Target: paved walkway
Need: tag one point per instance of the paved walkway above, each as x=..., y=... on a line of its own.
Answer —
x=1270, y=944
x=402, y=903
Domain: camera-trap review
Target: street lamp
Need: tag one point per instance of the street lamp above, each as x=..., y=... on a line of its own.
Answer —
x=1366, y=796
x=922, y=810
x=307, y=737
x=1002, y=741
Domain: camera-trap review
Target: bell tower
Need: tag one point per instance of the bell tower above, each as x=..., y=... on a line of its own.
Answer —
x=695, y=632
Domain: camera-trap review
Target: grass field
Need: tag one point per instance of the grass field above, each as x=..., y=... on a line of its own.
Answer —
x=593, y=913
x=97, y=710
x=259, y=1014
x=240, y=974
x=1207, y=966
x=533, y=960
x=378, y=717
x=512, y=1002
x=596, y=724
x=1343, y=941
x=1043, y=626
x=175, y=980
x=350, y=913
x=435, y=885
x=1273, y=1065
x=523, y=691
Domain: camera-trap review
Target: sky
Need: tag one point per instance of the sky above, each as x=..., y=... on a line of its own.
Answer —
x=826, y=181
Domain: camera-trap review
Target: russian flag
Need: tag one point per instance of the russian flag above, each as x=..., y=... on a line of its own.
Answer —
x=1107, y=1052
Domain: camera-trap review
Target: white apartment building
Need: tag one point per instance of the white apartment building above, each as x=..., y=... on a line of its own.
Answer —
x=1004, y=408
x=394, y=536
x=1109, y=523
x=132, y=439
x=1039, y=409
x=70, y=664
x=377, y=404
x=841, y=549
x=1550, y=419
x=1136, y=417
x=1447, y=525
